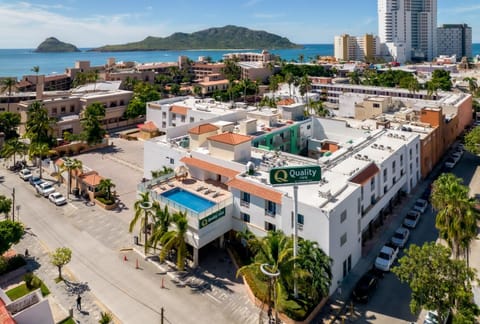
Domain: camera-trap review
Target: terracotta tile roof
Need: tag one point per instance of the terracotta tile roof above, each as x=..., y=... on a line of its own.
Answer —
x=23, y=83
x=5, y=316
x=207, y=166
x=202, y=129
x=91, y=179
x=286, y=102
x=179, y=110
x=149, y=127
x=366, y=174
x=256, y=190
x=230, y=138
x=216, y=82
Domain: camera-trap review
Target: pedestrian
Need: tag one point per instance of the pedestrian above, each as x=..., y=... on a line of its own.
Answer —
x=79, y=303
x=26, y=252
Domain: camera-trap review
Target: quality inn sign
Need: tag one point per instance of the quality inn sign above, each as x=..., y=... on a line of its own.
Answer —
x=297, y=174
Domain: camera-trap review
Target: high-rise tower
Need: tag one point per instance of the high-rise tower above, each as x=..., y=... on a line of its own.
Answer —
x=408, y=28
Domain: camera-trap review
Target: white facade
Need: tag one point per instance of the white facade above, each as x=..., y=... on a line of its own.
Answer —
x=408, y=24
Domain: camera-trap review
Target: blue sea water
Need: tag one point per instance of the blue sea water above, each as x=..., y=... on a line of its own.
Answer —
x=19, y=62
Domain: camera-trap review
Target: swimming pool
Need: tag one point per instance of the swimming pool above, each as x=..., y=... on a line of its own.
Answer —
x=188, y=199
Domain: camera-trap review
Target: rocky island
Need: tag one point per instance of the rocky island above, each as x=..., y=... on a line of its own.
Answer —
x=52, y=45
x=227, y=37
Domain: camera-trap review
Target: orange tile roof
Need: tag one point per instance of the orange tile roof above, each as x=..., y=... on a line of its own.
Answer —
x=91, y=179
x=370, y=171
x=286, y=102
x=230, y=138
x=256, y=190
x=179, y=110
x=149, y=127
x=207, y=166
x=216, y=82
x=202, y=129
x=5, y=316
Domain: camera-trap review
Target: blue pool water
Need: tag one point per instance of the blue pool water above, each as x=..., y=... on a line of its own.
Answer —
x=188, y=200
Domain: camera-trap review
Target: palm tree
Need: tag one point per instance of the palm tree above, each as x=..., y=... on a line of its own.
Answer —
x=105, y=318
x=274, y=85
x=456, y=218
x=175, y=239
x=7, y=85
x=413, y=85
x=304, y=86
x=93, y=76
x=12, y=147
x=38, y=150
x=69, y=165
x=313, y=261
x=36, y=70
x=245, y=84
x=354, y=77
x=106, y=186
x=142, y=214
x=39, y=125
x=472, y=85
x=289, y=79
x=161, y=223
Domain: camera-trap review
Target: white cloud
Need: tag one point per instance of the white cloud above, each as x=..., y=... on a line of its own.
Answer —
x=251, y=3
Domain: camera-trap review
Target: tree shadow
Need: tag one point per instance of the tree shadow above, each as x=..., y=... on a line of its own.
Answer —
x=76, y=288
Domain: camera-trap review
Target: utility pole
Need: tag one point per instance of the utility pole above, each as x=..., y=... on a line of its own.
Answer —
x=13, y=204
x=161, y=315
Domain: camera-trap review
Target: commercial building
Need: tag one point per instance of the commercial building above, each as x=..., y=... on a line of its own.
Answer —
x=352, y=48
x=454, y=39
x=408, y=29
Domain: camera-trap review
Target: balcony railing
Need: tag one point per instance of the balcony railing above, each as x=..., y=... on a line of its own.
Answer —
x=149, y=184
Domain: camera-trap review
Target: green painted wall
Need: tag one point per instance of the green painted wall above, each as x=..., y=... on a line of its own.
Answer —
x=287, y=144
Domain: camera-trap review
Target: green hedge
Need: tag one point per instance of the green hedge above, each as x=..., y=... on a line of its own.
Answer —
x=31, y=283
x=105, y=201
x=10, y=264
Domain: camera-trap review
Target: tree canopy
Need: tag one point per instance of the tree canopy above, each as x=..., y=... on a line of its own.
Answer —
x=142, y=93
x=93, y=131
x=10, y=233
x=60, y=258
x=9, y=121
x=472, y=141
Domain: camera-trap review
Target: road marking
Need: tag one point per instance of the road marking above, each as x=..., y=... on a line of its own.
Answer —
x=214, y=298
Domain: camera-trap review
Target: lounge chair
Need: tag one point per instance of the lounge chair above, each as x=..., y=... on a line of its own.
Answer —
x=170, y=184
x=163, y=188
x=215, y=194
x=200, y=188
x=208, y=191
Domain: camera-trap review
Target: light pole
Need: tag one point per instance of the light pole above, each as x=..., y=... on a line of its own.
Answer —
x=269, y=272
x=146, y=205
x=13, y=204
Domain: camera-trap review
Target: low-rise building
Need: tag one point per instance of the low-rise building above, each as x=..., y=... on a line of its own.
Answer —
x=31, y=308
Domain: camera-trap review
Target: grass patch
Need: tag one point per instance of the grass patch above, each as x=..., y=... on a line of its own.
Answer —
x=68, y=320
x=22, y=290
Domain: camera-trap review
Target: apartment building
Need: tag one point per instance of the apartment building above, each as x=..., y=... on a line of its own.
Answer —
x=454, y=39
x=353, y=48
x=265, y=56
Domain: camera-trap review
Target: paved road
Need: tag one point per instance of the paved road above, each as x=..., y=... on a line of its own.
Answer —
x=133, y=295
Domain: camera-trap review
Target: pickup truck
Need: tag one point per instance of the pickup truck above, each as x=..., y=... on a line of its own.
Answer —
x=387, y=256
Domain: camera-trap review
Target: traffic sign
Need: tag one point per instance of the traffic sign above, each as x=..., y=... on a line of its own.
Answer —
x=296, y=174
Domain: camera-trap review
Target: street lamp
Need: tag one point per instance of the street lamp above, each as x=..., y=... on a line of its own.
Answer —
x=268, y=271
x=146, y=205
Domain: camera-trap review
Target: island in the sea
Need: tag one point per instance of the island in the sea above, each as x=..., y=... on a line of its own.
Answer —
x=227, y=37
x=52, y=45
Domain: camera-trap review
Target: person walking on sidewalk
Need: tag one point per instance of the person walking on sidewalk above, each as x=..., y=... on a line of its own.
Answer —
x=79, y=303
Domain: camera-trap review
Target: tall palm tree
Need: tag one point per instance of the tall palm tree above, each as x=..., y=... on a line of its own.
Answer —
x=106, y=186
x=161, y=223
x=274, y=85
x=36, y=70
x=456, y=218
x=141, y=214
x=12, y=147
x=39, y=125
x=413, y=85
x=289, y=79
x=304, y=86
x=38, y=150
x=93, y=76
x=354, y=77
x=175, y=239
x=7, y=85
x=472, y=85
x=69, y=165
x=245, y=84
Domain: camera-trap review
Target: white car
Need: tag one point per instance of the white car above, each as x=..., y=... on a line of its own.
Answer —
x=57, y=198
x=25, y=174
x=45, y=188
x=411, y=219
x=420, y=205
x=386, y=258
x=400, y=237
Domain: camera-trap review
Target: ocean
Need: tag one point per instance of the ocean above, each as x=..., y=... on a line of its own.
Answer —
x=19, y=62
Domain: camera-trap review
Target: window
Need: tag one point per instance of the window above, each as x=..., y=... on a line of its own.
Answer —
x=192, y=119
x=401, y=159
x=54, y=111
x=164, y=114
x=270, y=226
x=343, y=216
x=359, y=226
x=300, y=219
x=245, y=199
x=394, y=164
x=172, y=161
x=174, y=116
x=361, y=191
x=164, y=124
x=373, y=200
x=394, y=180
x=385, y=189
x=246, y=218
x=359, y=206
x=410, y=153
x=372, y=184
x=308, y=126
x=270, y=208
x=63, y=109
x=385, y=173
x=343, y=239
x=183, y=119
x=72, y=108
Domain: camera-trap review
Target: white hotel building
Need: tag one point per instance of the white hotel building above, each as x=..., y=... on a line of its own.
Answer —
x=363, y=174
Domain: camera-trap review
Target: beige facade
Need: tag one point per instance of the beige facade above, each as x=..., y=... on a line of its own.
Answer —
x=372, y=107
x=348, y=48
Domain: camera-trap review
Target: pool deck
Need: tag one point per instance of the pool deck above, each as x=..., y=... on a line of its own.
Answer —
x=211, y=190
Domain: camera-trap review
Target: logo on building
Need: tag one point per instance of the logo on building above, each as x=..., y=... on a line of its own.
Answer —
x=297, y=174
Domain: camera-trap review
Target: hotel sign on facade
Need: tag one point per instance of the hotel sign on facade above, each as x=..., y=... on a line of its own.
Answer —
x=297, y=174
x=211, y=218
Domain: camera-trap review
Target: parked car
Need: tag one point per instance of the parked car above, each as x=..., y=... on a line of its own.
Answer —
x=420, y=205
x=386, y=258
x=457, y=156
x=34, y=180
x=450, y=162
x=45, y=188
x=57, y=198
x=25, y=174
x=365, y=287
x=432, y=318
x=400, y=237
x=411, y=219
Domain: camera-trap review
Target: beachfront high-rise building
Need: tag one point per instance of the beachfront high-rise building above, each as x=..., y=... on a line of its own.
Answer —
x=360, y=48
x=454, y=39
x=408, y=29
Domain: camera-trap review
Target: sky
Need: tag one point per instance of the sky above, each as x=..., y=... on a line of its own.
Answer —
x=88, y=23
